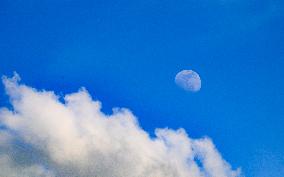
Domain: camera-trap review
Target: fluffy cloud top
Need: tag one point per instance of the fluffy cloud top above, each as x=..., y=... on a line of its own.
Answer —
x=41, y=136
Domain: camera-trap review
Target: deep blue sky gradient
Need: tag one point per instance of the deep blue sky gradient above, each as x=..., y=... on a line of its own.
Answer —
x=127, y=52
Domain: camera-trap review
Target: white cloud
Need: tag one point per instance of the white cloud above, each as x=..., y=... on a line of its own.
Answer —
x=45, y=137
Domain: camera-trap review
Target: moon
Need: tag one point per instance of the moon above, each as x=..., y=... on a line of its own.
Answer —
x=189, y=80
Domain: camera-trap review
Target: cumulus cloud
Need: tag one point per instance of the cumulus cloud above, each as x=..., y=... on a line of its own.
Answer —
x=41, y=136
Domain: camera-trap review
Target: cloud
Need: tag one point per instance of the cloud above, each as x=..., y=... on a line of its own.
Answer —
x=42, y=136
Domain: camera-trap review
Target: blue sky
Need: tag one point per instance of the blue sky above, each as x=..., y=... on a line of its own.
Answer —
x=126, y=53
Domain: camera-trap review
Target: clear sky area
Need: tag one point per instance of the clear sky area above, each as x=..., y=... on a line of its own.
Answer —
x=126, y=53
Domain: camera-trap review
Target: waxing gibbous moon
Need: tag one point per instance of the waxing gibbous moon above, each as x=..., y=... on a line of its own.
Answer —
x=189, y=80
